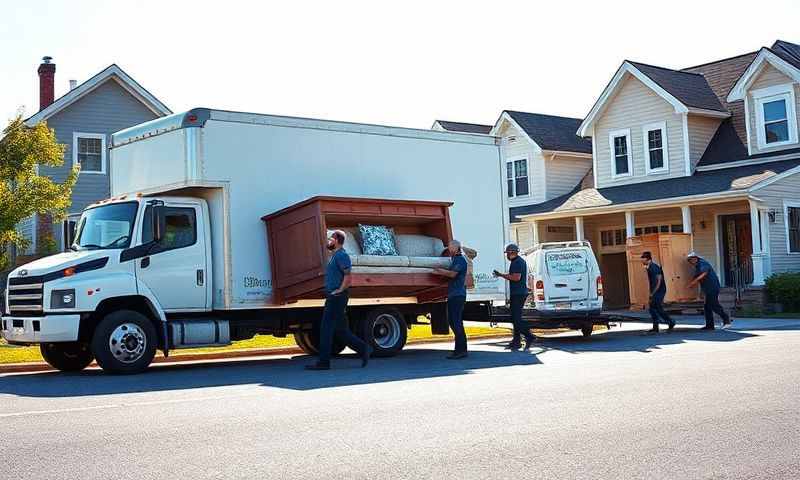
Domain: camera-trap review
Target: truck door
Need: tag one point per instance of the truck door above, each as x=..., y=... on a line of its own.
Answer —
x=175, y=270
x=568, y=277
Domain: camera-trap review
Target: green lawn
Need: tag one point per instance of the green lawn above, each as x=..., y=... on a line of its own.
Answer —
x=15, y=354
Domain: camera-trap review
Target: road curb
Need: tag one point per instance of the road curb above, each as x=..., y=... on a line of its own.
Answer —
x=31, y=367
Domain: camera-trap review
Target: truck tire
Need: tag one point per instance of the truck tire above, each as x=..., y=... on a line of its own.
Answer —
x=124, y=342
x=586, y=330
x=386, y=331
x=308, y=341
x=67, y=356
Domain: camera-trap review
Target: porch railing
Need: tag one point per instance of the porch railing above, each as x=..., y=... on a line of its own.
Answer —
x=742, y=276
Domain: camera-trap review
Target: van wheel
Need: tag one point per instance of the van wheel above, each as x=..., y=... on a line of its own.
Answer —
x=586, y=330
x=67, y=356
x=308, y=341
x=387, y=331
x=124, y=342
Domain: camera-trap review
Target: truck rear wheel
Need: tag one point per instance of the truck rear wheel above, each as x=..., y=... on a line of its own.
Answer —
x=124, y=342
x=387, y=331
x=67, y=356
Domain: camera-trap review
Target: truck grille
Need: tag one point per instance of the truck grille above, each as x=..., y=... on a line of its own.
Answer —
x=25, y=296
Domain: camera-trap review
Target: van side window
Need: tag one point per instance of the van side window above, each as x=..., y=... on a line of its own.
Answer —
x=180, y=231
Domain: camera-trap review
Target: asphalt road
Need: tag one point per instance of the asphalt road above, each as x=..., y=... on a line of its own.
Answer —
x=690, y=404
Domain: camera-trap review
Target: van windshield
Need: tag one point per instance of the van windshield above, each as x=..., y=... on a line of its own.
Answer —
x=109, y=226
x=566, y=262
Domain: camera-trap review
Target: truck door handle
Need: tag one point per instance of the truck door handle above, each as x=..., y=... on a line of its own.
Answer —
x=145, y=262
x=200, y=278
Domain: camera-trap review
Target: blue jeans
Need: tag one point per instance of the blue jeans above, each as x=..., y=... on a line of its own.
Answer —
x=455, y=312
x=333, y=324
x=517, y=303
x=712, y=306
x=657, y=310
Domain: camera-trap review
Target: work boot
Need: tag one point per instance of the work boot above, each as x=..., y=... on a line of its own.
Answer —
x=671, y=326
x=652, y=331
x=514, y=345
x=530, y=341
x=708, y=327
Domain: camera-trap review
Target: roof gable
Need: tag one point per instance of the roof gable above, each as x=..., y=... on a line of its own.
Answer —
x=113, y=73
x=766, y=56
x=685, y=91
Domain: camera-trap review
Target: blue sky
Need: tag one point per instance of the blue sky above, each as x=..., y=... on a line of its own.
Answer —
x=398, y=63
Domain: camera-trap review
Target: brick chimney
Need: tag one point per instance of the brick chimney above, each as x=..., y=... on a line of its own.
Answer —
x=47, y=76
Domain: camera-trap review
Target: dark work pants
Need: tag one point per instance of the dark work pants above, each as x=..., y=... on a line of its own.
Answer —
x=712, y=306
x=455, y=312
x=517, y=302
x=335, y=324
x=657, y=310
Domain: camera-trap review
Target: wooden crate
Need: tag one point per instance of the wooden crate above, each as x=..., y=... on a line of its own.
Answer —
x=298, y=256
x=669, y=250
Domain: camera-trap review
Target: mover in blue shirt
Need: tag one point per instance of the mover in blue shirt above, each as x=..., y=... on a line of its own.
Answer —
x=517, y=277
x=658, y=290
x=456, y=296
x=334, y=323
x=705, y=275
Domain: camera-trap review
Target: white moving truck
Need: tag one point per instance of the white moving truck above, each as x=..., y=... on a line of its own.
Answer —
x=121, y=293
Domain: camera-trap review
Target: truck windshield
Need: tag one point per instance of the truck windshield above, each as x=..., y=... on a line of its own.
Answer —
x=109, y=226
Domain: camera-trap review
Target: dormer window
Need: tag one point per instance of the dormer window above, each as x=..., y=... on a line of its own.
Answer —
x=775, y=116
x=655, y=147
x=620, y=145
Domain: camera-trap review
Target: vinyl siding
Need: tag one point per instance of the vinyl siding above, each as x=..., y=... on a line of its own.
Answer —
x=634, y=106
x=563, y=173
x=701, y=130
x=773, y=196
x=768, y=77
x=105, y=110
x=523, y=148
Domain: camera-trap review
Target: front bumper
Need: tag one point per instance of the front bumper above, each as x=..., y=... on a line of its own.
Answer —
x=48, y=328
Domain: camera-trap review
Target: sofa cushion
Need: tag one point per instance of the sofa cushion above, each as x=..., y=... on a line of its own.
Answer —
x=413, y=245
x=386, y=270
x=429, y=262
x=350, y=241
x=379, y=260
x=377, y=240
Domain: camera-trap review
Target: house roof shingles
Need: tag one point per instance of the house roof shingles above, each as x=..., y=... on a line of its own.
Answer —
x=464, y=127
x=789, y=52
x=689, y=88
x=702, y=182
x=551, y=132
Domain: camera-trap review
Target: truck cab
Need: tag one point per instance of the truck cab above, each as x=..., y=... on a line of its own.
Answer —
x=133, y=261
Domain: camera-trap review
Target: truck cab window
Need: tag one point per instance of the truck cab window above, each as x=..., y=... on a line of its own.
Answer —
x=180, y=231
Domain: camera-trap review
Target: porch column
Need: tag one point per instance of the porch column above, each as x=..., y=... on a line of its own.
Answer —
x=630, y=224
x=686, y=216
x=534, y=226
x=579, y=229
x=758, y=251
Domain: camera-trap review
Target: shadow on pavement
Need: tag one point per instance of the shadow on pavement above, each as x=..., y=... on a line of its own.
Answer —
x=415, y=363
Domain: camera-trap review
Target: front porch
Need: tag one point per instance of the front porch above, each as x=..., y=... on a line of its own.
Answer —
x=722, y=232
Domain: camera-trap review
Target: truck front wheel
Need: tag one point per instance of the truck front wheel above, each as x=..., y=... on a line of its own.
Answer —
x=387, y=330
x=124, y=342
x=67, y=356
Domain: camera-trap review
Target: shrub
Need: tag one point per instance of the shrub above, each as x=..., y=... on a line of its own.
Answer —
x=784, y=288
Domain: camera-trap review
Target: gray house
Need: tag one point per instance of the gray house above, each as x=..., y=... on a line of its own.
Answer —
x=83, y=119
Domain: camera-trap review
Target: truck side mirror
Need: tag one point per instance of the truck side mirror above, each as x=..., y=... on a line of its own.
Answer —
x=159, y=223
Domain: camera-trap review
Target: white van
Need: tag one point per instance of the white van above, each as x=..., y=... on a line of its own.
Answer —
x=564, y=279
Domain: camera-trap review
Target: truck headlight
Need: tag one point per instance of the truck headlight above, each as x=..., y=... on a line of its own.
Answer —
x=62, y=299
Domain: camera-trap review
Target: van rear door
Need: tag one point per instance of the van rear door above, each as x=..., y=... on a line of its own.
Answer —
x=567, y=278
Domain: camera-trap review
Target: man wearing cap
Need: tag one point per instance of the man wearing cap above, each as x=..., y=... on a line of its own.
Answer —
x=658, y=290
x=334, y=323
x=709, y=283
x=517, y=277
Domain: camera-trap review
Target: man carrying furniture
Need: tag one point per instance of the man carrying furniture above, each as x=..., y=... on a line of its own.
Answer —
x=709, y=283
x=658, y=290
x=334, y=323
x=517, y=277
x=456, y=296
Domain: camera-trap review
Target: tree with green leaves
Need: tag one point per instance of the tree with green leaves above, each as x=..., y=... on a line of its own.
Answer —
x=23, y=192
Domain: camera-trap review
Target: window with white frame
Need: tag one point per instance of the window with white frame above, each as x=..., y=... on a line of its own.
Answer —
x=654, y=138
x=611, y=238
x=517, y=177
x=792, y=215
x=775, y=116
x=620, y=146
x=89, y=152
